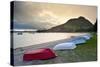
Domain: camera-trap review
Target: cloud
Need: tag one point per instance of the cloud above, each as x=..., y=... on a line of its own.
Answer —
x=22, y=26
x=45, y=15
x=26, y=13
x=34, y=15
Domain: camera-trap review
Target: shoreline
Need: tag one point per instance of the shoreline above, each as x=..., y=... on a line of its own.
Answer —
x=63, y=56
x=18, y=53
x=43, y=45
x=50, y=45
x=28, y=39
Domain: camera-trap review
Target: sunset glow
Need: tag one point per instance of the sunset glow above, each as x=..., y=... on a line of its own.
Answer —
x=49, y=14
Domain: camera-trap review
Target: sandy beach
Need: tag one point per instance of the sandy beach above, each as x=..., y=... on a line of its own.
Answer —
x=70, y=55
x=18, y=53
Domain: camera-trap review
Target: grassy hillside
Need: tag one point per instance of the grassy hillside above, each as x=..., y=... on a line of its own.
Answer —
x=80, y=24
x=83, y=52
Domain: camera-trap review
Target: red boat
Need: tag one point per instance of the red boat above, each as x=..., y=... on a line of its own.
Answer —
x=39, y=54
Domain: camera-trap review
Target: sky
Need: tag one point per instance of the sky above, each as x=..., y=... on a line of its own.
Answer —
x=47, y=15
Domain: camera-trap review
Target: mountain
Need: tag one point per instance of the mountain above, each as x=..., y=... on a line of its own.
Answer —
x=79, y=24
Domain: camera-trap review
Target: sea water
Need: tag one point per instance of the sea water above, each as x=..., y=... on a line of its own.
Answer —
x=27, y=39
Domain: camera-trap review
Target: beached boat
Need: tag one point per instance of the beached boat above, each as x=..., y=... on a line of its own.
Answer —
x=64, y=46
x=39, y=54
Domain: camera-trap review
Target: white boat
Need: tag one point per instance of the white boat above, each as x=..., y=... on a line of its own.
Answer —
x=64, y=46
x=87, y=37
x=78, y=40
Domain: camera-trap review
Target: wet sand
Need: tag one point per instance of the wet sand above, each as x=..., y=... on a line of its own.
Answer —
x=18, y=53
